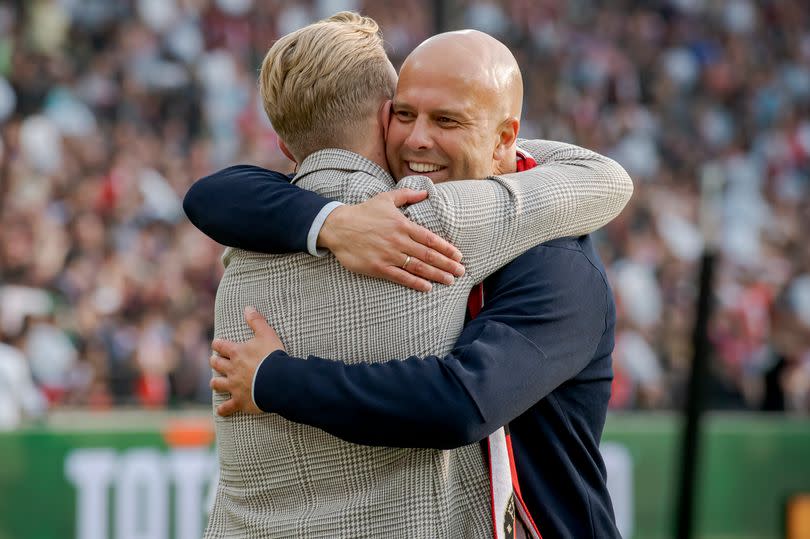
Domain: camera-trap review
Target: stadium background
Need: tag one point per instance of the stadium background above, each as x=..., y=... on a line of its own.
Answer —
x=109, y=110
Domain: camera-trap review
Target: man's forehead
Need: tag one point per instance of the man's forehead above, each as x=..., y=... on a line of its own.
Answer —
x=445, y=92
x=436, y=101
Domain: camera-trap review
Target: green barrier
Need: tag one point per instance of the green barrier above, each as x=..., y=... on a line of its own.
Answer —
x=128, y=476
x=750, y=467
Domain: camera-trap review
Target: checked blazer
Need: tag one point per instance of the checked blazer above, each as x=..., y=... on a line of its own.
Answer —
x=283, y=479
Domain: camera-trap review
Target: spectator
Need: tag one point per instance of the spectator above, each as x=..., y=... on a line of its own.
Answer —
x=19, y=397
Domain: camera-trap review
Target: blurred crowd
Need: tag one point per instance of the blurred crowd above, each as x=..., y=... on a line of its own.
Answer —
x=109, y=110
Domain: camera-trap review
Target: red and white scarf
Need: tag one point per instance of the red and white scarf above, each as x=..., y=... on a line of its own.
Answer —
x=506, y=499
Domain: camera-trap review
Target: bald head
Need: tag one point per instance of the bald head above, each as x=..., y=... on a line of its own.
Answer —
x=480, y=60
x=456, y=111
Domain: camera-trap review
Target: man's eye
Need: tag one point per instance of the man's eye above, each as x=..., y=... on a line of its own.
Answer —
x=403, y=114
x=444, y=120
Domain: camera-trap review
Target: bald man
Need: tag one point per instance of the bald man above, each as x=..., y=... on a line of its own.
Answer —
x=458, y=93
x=538, y=355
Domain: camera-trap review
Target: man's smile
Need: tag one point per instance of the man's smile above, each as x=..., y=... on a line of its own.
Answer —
x=423, y=168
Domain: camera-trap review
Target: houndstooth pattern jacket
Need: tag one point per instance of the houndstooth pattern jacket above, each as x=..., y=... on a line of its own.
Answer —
x=282, y=479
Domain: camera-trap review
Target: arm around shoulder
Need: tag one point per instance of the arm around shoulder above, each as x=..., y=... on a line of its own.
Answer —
x=253, y=208
x=572, y=192
x=600, y=191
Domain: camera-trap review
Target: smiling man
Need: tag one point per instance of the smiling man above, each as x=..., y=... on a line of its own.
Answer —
x=442, y=119
x=546, y=326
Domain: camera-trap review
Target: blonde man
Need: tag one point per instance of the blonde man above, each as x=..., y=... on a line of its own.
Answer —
x=281, y=479
x=324, y=84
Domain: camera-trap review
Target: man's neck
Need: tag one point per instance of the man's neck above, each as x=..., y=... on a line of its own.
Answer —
x=378, y=157
x=370, y=143
x=374, y=151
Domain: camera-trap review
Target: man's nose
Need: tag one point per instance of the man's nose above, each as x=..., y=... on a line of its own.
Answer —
x=419, y=138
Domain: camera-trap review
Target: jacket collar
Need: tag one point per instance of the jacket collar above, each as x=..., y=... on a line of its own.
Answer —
x=337, y=159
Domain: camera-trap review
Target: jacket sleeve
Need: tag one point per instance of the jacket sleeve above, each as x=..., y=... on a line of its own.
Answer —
x=254, y=209
x=534, y=333
x=572, y=191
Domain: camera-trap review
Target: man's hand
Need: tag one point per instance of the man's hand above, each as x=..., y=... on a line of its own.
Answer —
x=374, y=238
x=237, y=363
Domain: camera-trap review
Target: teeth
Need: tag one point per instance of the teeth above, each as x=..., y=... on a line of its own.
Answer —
x=423, y=167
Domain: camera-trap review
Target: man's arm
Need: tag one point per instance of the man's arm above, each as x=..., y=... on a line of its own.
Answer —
x=260, y=210
x=572, y=192
x=537, y=330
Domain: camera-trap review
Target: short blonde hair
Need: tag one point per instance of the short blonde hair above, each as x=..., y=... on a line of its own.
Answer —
x=319, y=84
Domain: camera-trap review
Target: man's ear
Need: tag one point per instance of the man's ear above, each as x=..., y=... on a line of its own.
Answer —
x=507, y=136
x=385, y=117
x=504, y=154
x=286, y=151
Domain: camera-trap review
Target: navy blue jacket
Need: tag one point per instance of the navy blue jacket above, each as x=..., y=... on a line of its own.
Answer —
x=538, y=358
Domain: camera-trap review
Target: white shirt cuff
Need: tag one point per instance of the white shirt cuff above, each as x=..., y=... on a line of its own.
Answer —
x=253, y=384
x=315, y=229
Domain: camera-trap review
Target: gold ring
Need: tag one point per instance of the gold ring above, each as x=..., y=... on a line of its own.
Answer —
x=407, y=261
